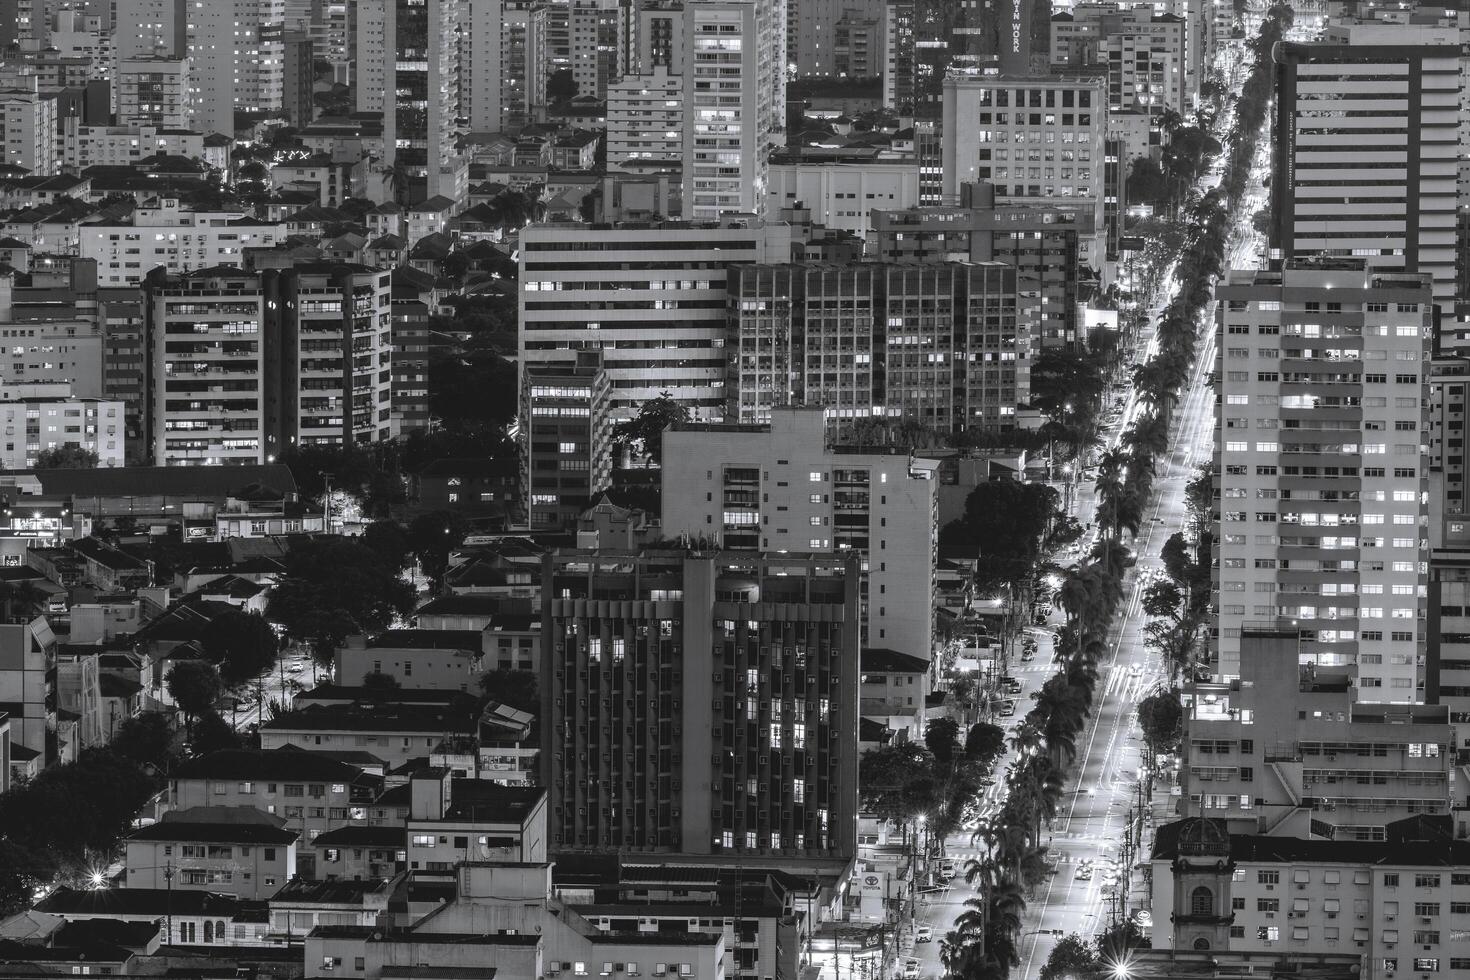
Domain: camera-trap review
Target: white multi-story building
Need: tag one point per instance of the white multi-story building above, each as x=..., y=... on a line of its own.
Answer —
x=780, y=487
x=1322, y=475
x=122, y=146
x=1087, y=35
x=28, y=120
x=841, y=194
x=408, y=53
x=1029, y=137
x=1366, y=151
x=153, y=91
x=237, y=57
x=650, y=297
x=33, y=424
x=645, y=121
x=246, y=364
x=164, y=234
x=1402, y=905
x=148, y=28
x=596, y=29
x=735, y=103
x=1293, y=750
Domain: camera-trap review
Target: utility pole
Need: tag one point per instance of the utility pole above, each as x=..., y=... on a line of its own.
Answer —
x=168, y=903
x=327, y=504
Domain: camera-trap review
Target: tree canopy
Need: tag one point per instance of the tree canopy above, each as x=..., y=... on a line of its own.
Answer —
x=241, y=644
x=335, y=587
x=66, y=457
x=195, y=686
x=642, y=435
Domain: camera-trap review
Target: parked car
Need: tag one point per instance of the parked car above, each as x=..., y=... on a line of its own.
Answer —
x=1028, y=654
x=924, y=934
x=911, y=969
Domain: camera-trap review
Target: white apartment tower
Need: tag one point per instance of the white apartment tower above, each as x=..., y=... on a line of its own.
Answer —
x=408, y=62
x=735, y=103
x=645, y=120
x=1322, y=470
x=1366, y=155
x=152, y=91
x=147, y=28
x=237, y=57
x=779, y=487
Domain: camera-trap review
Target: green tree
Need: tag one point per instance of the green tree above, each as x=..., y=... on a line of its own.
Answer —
x=1004, y=523
x=984, y=743
x=241, y=644
x=642, y=435
x=66, y=457
x=376, y=680
x=1161, y=717
x=1072, y=958
x=560, y=86
x=335, y=587
x=897, y=781
x=147, y=739
x=942, y=739
x=513, y=688
x=195, y=686
x=212, y=733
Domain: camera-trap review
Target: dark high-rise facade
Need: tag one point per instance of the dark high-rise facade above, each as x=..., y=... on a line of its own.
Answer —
x=700, y=703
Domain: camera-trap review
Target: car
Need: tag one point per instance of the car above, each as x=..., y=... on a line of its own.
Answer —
x=1135, y=668
x=1007, y=708
x=947, y=869
x=1027, y=656
x=986, y=781
x=911, y=969
x=1010, y=685
x=924, y=934
x=1083, y=873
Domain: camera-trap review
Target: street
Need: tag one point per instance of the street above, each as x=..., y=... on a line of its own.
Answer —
x=1104, y=780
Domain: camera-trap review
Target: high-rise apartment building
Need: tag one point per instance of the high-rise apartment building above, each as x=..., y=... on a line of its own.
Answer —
x=735, y=103
x=244, y=364
x=645, y=121
x=148, y=28
x=236, y=58
x=781, y=487
x=813, y=37
x=1322, y=475
x=700, y=703
x=1122, y=37
x=28, y=119
x=1048, y=244
x=152, y=91
x=1291, y=749
x=565, y=432
x=1032, y=138
x=408, y=53
x=597, y=29
x=1366, y=148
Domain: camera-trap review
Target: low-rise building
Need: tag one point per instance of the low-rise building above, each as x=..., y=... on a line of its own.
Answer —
x=395, y=733
x=1401, y=903
x=36, y=424
x=312, y=793
x=239, y=851
x=360, y=853
x=447, y=660
x=452, y=821
x=194, y=917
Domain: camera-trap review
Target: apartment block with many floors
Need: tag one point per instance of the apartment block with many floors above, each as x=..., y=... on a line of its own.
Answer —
x=1401, y=904
x=701, y=703
x=245, y=364
x=780, y=487
x=1290, y=749
x=1322, y=474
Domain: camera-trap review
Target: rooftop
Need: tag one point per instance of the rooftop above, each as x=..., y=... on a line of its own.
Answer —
x=274, y=765
x=428, y=640
x=112, y=902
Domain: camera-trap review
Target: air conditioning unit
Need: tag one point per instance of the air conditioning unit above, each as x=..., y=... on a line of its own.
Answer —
x=1426, y=920
x=1291, y=915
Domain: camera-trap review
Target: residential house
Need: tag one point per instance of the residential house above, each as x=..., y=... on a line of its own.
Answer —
x=422, y=658
x=231, y=850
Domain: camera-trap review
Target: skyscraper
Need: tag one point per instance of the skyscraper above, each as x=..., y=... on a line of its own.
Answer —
x=408, y=57
x=1366, y=148
x=1322, y=476
x=735, y=103
x=700, y=703
x=236, y=58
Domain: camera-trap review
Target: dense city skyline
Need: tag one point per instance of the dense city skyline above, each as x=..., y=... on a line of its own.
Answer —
x=735, y=489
